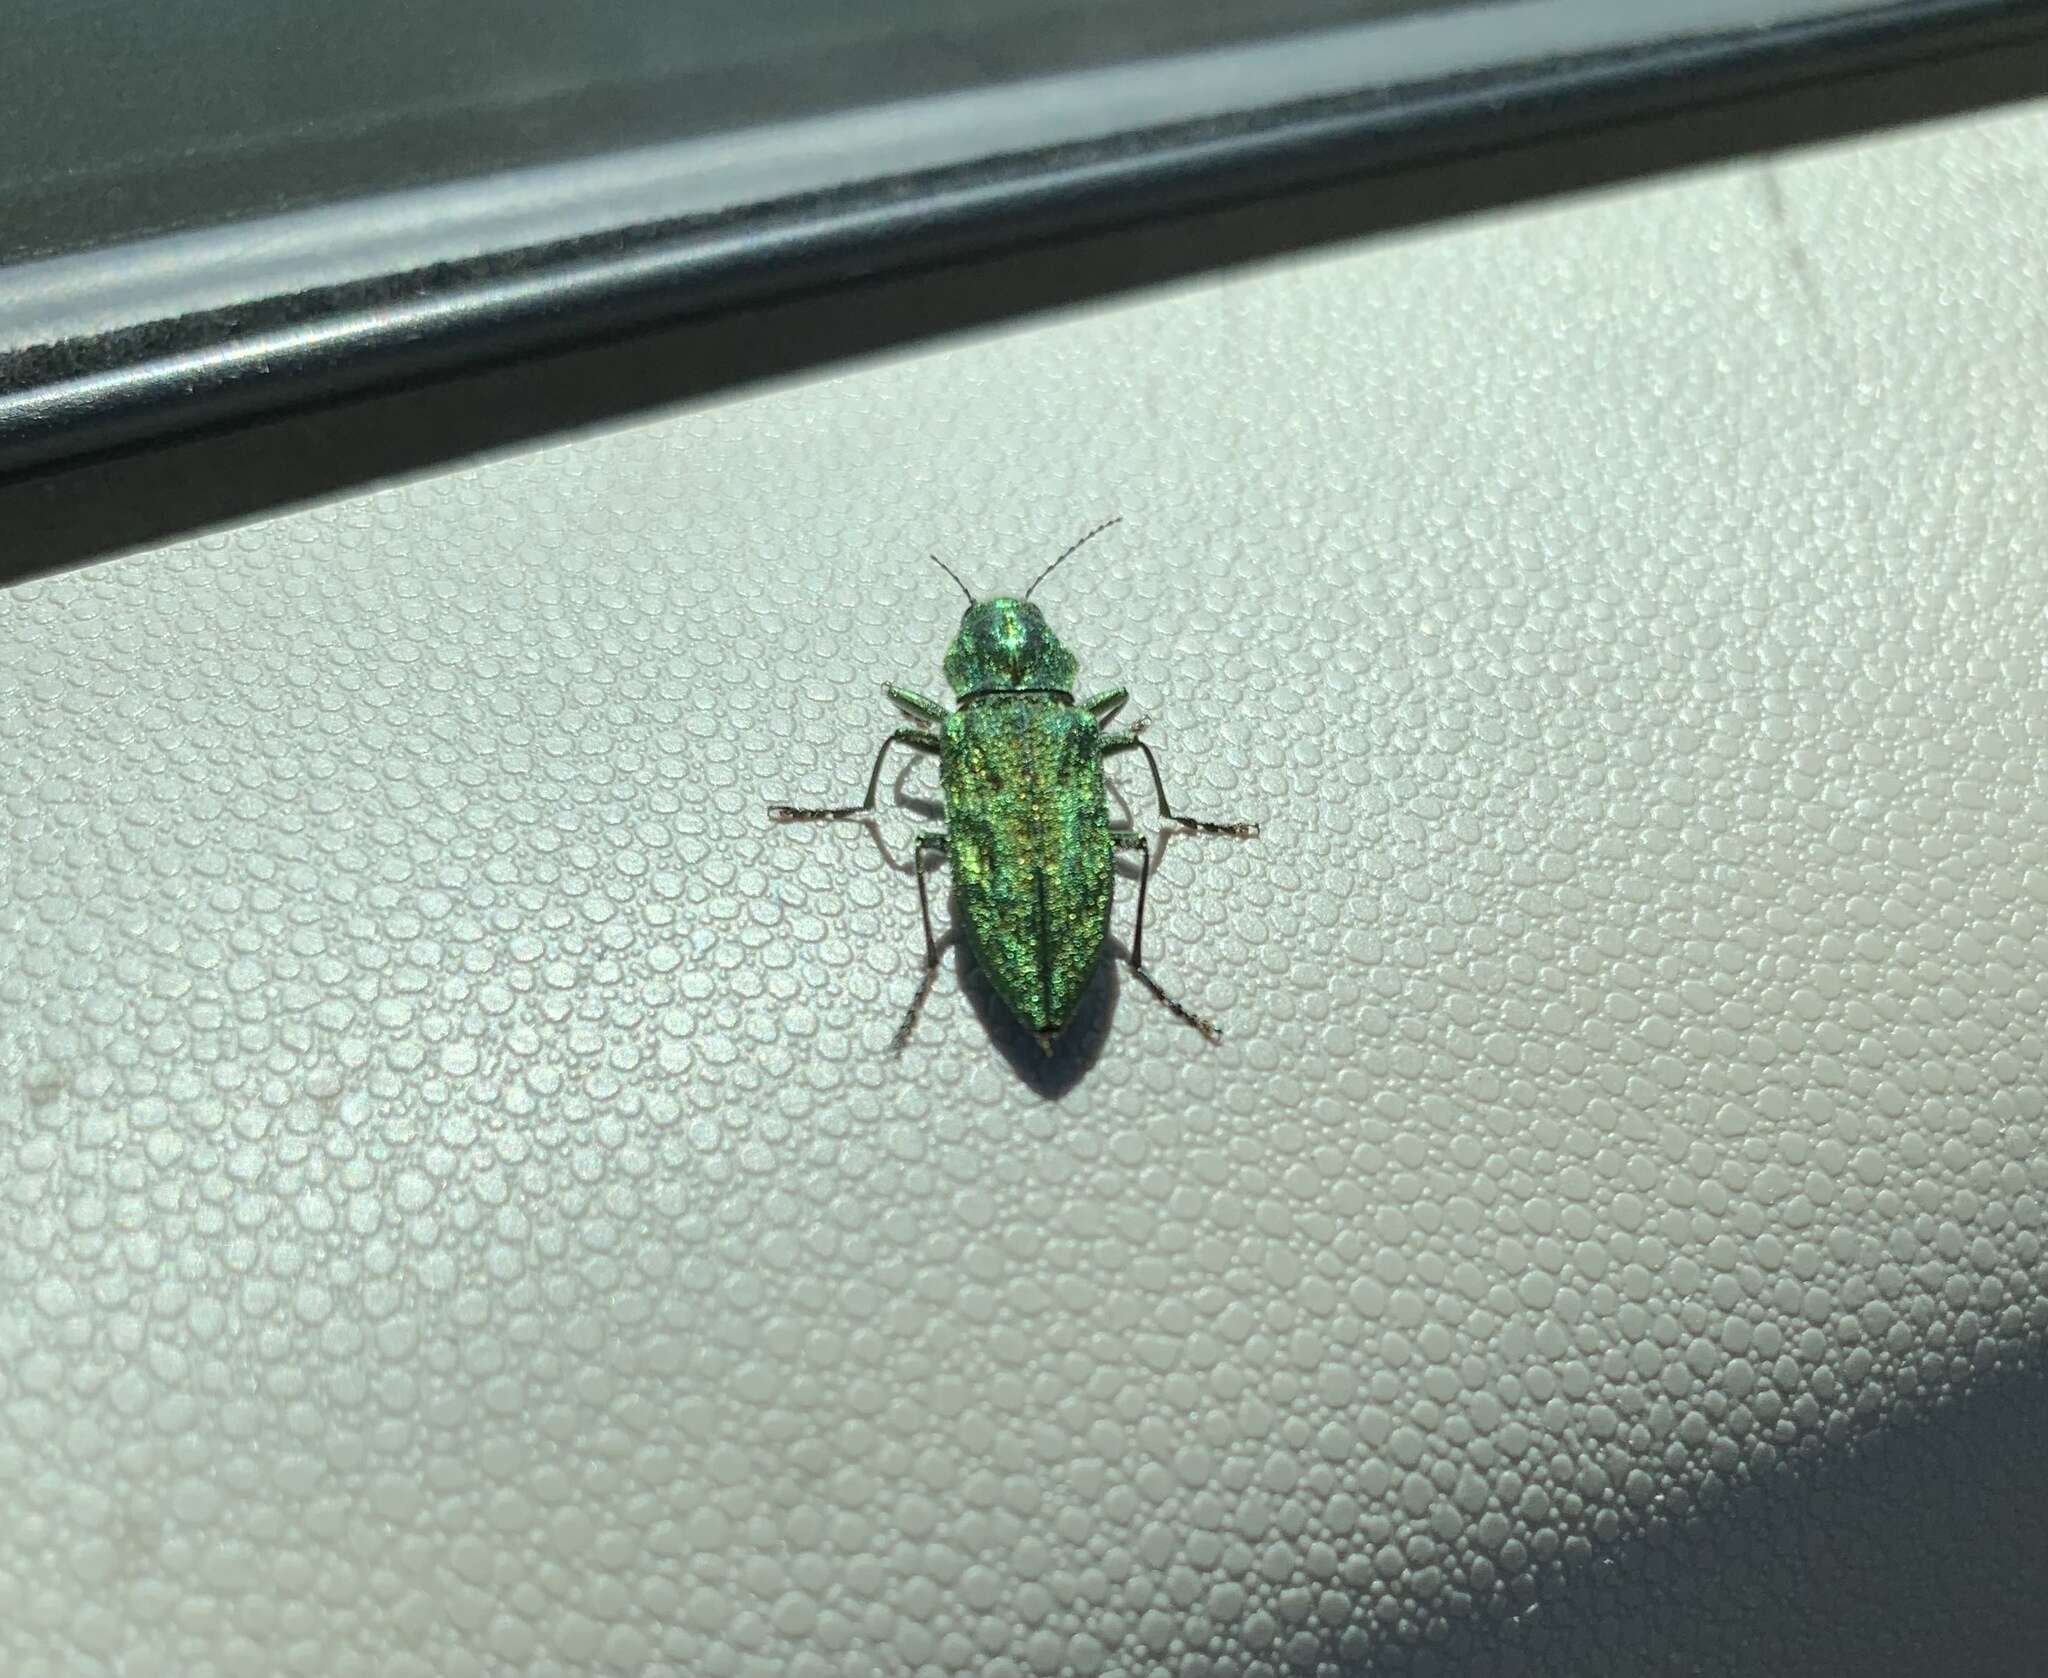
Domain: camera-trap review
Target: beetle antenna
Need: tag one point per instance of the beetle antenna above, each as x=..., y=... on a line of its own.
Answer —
x=1054, y=566
x=943, y=566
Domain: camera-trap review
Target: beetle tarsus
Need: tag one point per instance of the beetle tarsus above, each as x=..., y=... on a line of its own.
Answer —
x=1186, y=1015
x=791, y=813
x=901, y=1040
x=1226, y=830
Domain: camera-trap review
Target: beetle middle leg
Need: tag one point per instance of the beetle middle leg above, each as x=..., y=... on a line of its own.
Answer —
x=915, y=738
x=1136, y=961
x=1128, y=741
x=925, y=842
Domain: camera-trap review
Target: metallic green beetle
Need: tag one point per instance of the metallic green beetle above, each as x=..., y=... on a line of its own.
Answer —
x=1027, y=817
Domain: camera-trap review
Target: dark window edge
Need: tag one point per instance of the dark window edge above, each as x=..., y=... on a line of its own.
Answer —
x=592, y=337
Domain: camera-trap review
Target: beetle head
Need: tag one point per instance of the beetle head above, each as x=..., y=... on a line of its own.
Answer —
x=1006, y=643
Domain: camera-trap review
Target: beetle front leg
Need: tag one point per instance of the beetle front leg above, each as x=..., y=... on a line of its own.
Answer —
x=925, y=842
x=914, y=704
x=915, y=738
x=1128, y=741
x=1102, y=706
x=1136, y=962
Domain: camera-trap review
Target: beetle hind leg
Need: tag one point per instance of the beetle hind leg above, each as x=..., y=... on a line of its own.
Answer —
x=925, y=842
x=1136, y=960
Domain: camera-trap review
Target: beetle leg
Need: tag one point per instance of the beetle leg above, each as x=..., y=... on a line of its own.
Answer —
x=913, y=737
x=915, y=705
x=1139, y=843
x=1105, y=705
x=925, y=842
x=1128, y=741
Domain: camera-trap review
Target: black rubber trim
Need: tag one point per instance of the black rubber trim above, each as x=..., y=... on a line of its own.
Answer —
x=697, y=308
x=122, y=118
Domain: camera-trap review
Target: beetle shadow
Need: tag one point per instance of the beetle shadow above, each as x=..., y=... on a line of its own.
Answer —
x=920, y=805
x=1048, y=1073
x=914, y=804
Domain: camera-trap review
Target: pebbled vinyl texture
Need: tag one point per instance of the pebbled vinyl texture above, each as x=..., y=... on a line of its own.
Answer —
x=457, y=1214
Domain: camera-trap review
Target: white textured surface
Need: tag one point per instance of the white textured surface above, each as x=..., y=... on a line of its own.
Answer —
x=455, y=1215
